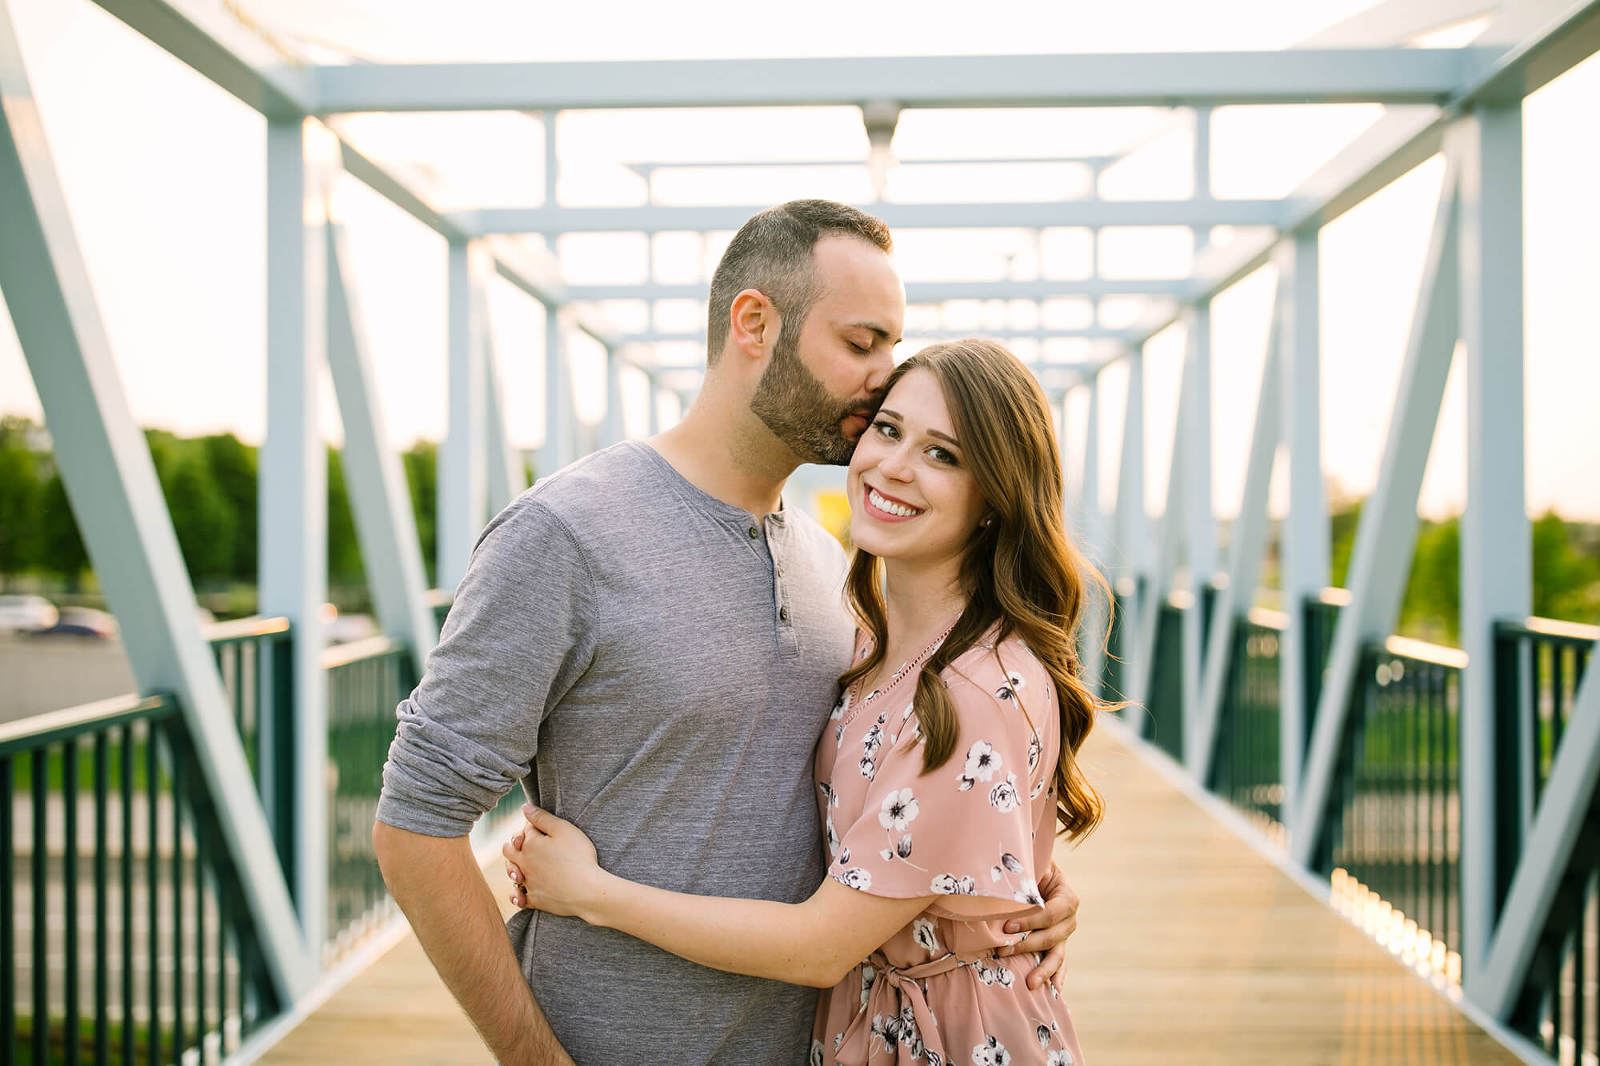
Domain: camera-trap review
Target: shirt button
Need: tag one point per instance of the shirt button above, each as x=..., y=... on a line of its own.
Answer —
x=783, y=614
x=754, y=533
x=779, y=571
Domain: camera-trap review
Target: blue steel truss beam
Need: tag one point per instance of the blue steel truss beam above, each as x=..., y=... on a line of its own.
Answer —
x=657, y=218
x=925, y=292
x=1345, y=75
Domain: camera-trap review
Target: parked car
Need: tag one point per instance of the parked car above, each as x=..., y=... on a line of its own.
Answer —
x=81, y=622
x=26, y=613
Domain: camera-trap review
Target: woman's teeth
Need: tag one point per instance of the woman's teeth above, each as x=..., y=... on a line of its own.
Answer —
x=883, y=503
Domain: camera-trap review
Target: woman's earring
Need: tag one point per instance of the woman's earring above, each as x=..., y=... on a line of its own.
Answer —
x=987, y=522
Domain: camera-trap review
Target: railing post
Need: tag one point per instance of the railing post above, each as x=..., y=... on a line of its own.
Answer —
x=1303, y=537
x=1200, y=528
x=293, y=488
x=558, y=414
x=1496, y=554
x=1132, y=525
x=614, y=428
x=463, y=469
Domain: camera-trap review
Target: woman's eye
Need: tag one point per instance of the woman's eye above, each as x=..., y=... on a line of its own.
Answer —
x=941, y=455
x=887, y=429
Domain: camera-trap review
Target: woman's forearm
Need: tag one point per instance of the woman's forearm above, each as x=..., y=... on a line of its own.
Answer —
x=758, y=938
x=812, y=943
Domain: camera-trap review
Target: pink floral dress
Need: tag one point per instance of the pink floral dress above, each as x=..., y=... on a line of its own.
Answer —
x=978, y=831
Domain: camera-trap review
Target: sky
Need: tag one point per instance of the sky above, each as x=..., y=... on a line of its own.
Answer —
x=164, y=176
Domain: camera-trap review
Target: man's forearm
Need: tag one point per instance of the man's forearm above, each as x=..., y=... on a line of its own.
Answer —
x=438, y=885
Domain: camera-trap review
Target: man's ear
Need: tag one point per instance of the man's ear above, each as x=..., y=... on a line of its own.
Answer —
x=753, y=324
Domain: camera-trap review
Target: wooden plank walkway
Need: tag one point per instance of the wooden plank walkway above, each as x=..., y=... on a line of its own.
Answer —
x=1191, y=948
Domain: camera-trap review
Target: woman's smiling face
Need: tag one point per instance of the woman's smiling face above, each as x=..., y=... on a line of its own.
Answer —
x=911, y=495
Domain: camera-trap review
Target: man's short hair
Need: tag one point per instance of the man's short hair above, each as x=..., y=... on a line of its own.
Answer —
x=772, y=253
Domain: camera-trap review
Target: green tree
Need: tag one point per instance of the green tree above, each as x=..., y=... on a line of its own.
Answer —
x=1431, y=609
x=233, y=468
x=61, y=549
x=421, y=462
x=344, y=551
x=1566, y=579
x=205, y=525
x=21, y=492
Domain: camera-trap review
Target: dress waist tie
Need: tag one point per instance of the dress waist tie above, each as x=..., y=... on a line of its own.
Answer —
x=898, y=1014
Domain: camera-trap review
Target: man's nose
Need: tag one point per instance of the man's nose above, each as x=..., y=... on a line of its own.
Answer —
x=879, y=367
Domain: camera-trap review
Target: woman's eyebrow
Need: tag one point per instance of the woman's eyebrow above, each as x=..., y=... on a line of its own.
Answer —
x=931, y=432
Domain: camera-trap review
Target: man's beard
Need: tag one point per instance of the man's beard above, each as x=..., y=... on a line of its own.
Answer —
x=799, y=409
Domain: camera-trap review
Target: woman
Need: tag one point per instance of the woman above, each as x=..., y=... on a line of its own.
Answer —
x=947, y=761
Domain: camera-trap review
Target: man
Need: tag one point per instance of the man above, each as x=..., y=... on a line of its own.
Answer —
x=659, y=639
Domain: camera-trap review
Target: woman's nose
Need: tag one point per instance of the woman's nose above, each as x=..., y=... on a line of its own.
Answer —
x=895, y=465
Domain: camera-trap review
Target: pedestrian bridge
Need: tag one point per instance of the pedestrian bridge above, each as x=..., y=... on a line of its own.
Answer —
x=1325, y=842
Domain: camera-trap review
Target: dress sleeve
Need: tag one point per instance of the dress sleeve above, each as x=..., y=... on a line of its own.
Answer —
x=519, y=634
x=965, y=830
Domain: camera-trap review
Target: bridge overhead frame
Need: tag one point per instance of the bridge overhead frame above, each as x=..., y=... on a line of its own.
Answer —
x=1463, y=102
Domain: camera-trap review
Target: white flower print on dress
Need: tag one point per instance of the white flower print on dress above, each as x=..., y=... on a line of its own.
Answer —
x=869, y=769
x=868, y=975
x=816, y=1053
x=951, y=885
x=1059, y=1058
x=982, y=762
x=873, y=740
x=994, y=973
x=1034, y=749
x=991, y=1053
x=855, y=877
x=1003, y=797
x=1042, y=1034
x=1029, y=893
x=833, y=838
x=927, y=938
x=899, y=810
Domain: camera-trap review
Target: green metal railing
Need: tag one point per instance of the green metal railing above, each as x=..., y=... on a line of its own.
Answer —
x=1166, y=675
x=255, y=659
x=1247, y=764
x=1539, y=664
x=1393, y=824
x=117, y=873
x=366, y=680
x=1320, y=619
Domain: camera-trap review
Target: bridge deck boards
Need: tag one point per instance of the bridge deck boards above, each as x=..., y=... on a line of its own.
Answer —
x=1192, y=948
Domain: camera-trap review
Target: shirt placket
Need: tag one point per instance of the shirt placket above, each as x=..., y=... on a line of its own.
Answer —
x=777, y=544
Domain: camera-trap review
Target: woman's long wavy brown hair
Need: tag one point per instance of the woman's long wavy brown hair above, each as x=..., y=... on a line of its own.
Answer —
x=1021, y=573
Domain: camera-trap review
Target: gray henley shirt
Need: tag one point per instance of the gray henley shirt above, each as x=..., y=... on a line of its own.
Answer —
x=665, y=662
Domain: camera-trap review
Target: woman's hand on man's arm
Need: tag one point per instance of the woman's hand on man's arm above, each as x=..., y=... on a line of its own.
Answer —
x=814, y=943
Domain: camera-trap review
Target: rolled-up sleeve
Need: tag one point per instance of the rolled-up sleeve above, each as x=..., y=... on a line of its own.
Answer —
x=519, y=634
